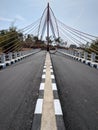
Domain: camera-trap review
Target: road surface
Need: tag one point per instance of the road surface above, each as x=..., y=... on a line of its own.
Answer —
x=77, y=86
x=78, y=90
x=19, y=85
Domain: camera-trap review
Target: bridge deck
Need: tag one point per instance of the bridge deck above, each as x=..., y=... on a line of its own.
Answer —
x=22, y=87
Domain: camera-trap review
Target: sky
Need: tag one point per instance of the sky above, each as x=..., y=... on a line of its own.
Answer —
x=79, y=14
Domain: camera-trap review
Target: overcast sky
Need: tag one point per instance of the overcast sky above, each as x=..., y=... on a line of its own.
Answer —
x=80, y=14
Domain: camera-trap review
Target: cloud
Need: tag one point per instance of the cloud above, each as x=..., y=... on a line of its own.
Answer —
x=16, y=18
x=6, y=19
x=19, y=17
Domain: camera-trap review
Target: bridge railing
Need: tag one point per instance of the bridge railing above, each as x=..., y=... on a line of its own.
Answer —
x=0, y=58
x=90, y=59
x=10, y=58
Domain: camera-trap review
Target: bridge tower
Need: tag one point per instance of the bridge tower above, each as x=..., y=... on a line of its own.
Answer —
x=48, y=23
x=48, y=19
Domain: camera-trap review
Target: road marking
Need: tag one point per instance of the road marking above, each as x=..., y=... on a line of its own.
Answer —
x=44, y=66
x=44, y=70
x=50, y=66
x=52, y=77
x=54, y=87
x=51, y=70
x=48, y=113
x=38, y=109
x=48, y=121
x=42, y=86
x=57, y=106
x=43, y=76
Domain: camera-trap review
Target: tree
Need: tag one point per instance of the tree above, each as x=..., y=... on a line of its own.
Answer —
x=29, y=41
x=10, y=40
x=36, y=39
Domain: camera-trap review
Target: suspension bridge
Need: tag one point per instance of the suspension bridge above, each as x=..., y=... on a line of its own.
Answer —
x=55, y=88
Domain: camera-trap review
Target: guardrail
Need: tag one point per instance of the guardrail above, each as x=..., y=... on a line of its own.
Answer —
x=11, y=58
x=84, y=57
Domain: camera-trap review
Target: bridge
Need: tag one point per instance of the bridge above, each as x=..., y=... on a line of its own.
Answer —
x=55, y=88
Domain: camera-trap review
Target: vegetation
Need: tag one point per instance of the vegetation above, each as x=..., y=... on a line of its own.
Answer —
x=33, y=42
x=13, y=40
x=93, y=47
x=10, y=40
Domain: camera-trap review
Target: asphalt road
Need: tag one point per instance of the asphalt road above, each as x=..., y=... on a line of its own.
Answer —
x=19, y=85
x=78, y=91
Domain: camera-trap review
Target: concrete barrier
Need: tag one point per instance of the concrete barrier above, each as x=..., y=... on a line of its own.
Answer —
x=89, y=59
x=11, y=58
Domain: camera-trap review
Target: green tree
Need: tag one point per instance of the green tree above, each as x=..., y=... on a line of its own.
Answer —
x=28, y=41
x=10, y=40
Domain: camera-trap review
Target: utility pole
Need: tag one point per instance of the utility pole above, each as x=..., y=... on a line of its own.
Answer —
x=48, y=20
